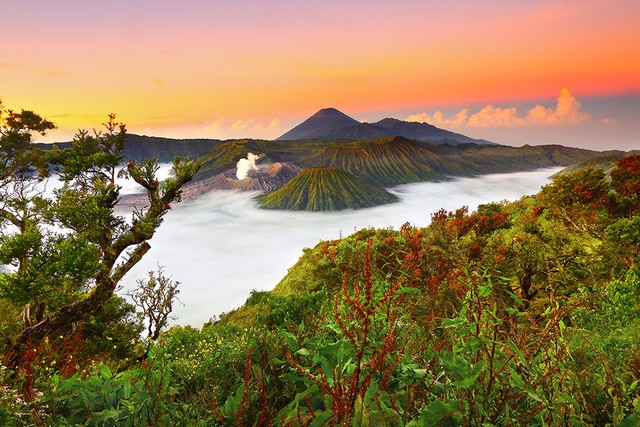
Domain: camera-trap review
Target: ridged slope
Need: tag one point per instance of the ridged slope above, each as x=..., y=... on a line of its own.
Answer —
x=384, y=162
x=325, y=189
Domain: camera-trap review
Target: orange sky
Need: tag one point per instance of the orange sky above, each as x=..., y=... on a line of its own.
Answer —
x=223, y=69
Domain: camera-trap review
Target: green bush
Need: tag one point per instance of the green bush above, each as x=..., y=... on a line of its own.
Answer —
x=141, y=396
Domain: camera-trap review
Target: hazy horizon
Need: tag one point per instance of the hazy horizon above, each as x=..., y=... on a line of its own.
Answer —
x=220, y=246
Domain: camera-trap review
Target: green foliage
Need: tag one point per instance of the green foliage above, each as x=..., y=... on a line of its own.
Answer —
x=275, y=311
x=208, y=360
x=142, y=396
x=112, y=331
x=344, y=372
x=613, y=318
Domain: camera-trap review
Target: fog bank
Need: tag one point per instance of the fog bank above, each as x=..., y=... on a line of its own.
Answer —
x=221, y=246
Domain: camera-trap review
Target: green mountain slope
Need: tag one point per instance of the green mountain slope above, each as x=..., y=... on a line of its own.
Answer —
x=320, y=189
x=382, y=162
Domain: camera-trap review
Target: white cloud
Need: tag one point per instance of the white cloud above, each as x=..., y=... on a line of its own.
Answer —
x=491, y=116
x=438, y=118
x=567, y=111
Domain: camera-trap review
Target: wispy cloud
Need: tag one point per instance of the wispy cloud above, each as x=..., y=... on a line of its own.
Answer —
x=244, y=124
x=242, y=128
x=10, y=65
x=566, y=112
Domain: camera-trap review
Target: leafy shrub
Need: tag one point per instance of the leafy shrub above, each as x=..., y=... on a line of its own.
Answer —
x=141, y=396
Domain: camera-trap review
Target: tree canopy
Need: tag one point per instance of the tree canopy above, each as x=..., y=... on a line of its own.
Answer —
x=66, y=245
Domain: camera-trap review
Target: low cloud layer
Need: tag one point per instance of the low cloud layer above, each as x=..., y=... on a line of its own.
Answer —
x=221, y=247
x=566, y=112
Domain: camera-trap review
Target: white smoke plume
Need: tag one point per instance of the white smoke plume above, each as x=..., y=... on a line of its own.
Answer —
x=245, y=165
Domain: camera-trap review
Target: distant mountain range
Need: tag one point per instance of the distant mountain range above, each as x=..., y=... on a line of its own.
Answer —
x=381, y=163
x=331, y=124
x=141, y=147
x=331, y=161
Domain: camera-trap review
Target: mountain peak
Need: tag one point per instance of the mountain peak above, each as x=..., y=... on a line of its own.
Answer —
x=330, y=112
x=327, y=118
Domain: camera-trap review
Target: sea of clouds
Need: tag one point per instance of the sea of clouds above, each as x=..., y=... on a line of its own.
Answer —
x=220, y=247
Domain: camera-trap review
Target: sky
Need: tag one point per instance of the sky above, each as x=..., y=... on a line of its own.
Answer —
x=513, y=72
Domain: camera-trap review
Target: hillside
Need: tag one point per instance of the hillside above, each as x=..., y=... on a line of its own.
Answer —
x=322, y=189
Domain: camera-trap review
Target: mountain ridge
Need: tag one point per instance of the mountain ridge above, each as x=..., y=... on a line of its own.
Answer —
x=332, y=124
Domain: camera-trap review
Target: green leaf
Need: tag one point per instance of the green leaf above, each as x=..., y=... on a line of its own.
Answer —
x=292, y=377
x=327, y=367
x=409, y=290
x=303, y=352
x=370, y=394
x=567, y=398
x=321, y=419
x=470, y=378
x=105, y=372
x=126, y=385
x=632, y=420
x=516, y=379
x=532, y=394
x=439, y=413
x=277, y=362
x=515, y=299
x=484, y=291
x=290, y=340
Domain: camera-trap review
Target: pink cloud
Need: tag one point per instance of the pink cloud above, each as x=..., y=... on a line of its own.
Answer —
x=241, y=128
x=566, y=112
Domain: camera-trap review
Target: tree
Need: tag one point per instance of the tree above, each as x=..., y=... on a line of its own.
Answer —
x=21, y=190
x=154, y=296
x=625, y=180
x=68, y=248
x=579, y=199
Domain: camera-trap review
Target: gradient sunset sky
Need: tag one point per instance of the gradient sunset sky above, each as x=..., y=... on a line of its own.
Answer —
x=513, y=72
